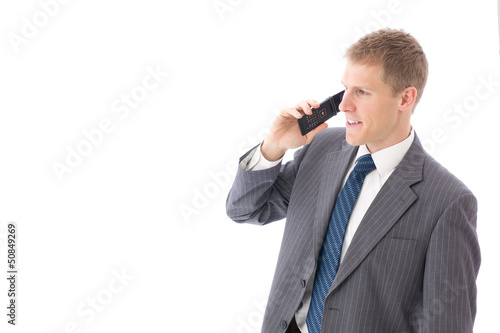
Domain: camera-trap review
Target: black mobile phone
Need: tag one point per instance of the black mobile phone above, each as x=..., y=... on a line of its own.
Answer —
x=327, y=109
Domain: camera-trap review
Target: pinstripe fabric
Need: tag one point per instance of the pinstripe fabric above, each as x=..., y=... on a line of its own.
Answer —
x=412, y=264
x=332, y=246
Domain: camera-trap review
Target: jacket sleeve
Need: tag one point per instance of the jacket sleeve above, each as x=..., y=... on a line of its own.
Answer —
x=261, y=197
x=452, y=264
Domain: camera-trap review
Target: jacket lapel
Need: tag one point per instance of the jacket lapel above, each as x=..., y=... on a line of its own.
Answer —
x=393, y=199
x=329, y=190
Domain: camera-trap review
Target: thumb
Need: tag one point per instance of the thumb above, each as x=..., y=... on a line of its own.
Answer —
x=310, y=136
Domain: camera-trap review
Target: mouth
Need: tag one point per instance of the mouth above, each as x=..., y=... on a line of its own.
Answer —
x=351, y=123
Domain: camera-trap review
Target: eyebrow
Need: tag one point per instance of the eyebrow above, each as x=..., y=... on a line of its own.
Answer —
x=356, y=87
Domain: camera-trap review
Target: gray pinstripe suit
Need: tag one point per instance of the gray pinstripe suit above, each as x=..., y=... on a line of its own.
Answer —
x=412, y=264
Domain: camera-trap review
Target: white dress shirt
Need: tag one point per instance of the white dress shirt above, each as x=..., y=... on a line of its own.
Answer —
x=385, y=161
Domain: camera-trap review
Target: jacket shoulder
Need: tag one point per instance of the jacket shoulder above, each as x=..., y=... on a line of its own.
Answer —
x=446, y=185
x=331, y=133
x=330, y=139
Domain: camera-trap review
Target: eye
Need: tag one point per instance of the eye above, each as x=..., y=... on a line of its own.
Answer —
x=361, y=92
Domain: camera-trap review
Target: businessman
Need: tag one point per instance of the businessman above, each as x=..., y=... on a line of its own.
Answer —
x=379, y=237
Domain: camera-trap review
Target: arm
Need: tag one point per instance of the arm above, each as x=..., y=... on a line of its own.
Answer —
x=452, y=264
x=262, y=196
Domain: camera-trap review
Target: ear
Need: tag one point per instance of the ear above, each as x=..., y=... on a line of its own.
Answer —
x=408, y=99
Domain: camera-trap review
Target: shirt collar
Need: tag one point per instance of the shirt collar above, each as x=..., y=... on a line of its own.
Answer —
x=388, y=158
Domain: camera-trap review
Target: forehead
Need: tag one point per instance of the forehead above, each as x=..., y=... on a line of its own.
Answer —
x=362, y=75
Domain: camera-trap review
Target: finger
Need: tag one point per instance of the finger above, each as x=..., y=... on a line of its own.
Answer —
x=313, y=103
x=293, y=112
x=320, y=128
x=304, y=107
x=315, y=131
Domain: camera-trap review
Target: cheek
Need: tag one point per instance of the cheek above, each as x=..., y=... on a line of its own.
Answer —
x=384, y=116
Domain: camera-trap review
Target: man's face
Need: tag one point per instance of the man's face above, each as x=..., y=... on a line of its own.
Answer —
x=371, y=110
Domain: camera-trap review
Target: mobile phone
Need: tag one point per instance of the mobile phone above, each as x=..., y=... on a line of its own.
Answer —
x=327, y=109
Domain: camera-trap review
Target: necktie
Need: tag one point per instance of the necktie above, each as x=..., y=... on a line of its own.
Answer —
x=329, y=259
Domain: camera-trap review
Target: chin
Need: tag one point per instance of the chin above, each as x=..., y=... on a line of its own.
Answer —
x=353, y=141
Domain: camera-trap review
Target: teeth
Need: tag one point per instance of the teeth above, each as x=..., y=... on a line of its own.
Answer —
x=353, y=122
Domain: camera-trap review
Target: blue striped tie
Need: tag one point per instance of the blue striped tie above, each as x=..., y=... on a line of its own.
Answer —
x=329, y=259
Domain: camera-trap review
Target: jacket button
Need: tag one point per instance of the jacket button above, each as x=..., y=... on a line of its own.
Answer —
x=303, y=283
x=283, y=325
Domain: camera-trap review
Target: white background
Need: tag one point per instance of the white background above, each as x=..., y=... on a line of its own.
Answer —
x=148, y=200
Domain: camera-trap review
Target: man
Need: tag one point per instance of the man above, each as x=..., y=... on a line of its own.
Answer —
x=378, y=237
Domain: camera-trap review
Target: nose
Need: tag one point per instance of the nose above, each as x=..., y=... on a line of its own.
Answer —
x=346, y=105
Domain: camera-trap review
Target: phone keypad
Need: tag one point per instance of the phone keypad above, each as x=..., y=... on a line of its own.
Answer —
x=315, y=119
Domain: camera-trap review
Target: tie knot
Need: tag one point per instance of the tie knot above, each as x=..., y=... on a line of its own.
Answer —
x=365, y=164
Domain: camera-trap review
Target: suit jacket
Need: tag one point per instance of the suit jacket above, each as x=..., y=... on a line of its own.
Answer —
x=412, y=264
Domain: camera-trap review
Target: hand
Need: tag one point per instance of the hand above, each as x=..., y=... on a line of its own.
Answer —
x=285, y=134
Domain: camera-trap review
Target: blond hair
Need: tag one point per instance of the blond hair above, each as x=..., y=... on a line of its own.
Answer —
x=402, y=58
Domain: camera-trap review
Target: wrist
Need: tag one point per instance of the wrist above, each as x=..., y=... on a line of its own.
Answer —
x=271, y=152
